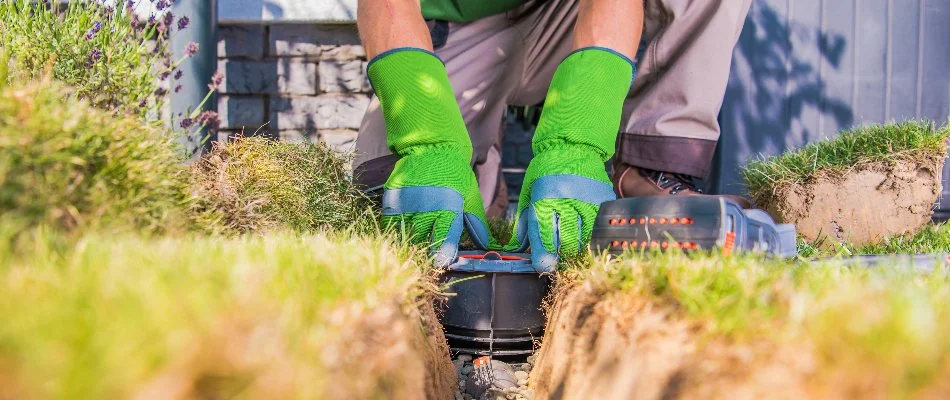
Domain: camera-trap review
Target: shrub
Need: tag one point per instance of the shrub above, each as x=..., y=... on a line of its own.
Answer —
x=257, y=183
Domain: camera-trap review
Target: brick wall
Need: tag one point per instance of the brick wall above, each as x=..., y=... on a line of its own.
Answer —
x=293, y=81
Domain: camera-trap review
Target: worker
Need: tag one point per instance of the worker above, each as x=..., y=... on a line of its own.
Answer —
x=444, y=71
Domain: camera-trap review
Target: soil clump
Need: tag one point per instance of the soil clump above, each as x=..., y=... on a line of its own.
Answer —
x=861, y=206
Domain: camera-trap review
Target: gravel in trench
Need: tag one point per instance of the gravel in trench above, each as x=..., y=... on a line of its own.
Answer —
x=507, y=381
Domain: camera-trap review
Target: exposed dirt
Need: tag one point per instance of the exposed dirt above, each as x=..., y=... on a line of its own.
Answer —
x=863, y=206
x=612, y=345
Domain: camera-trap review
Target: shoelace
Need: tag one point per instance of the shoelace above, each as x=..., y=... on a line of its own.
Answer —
x=675, y=182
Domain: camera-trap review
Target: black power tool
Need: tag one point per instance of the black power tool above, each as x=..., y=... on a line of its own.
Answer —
x=689, y=223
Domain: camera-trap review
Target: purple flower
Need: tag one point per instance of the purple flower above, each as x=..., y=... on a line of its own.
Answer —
x=152, y=20
x=142, y=103
x=183, y=23
x=129, y=5
x=161, y=5
x=177, y=88
x=46, y=3
x=178, y=75
x=191, y=49
x=160, y=92
x=94, y=56
x=168, y=18
x=186, y=123
x=216, y=80
x=164, y=75
x=209, y=119
x=96, y=27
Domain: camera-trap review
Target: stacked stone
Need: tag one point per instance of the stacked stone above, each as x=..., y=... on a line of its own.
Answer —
x=298, y=82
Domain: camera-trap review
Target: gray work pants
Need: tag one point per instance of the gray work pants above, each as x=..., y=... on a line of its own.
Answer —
x=669, y=118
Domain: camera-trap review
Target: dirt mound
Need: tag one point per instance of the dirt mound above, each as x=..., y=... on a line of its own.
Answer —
x=862, y=206
x=614, y=345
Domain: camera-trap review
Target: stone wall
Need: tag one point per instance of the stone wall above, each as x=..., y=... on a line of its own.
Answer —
x=293, y=81
x=307, y=81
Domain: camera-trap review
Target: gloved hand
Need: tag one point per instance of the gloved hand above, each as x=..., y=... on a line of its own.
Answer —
x=566, y=181
x=432, y=193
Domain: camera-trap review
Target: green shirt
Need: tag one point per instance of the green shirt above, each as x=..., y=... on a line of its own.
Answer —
x=466, y=10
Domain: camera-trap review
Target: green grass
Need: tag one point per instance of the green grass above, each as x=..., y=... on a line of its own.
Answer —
x=113, y=317
x=932, y=239
x=884, y=323
x=69, y=166
x=913, y=140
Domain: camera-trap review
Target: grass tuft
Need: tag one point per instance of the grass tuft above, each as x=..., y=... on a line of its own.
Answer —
x=906, y=141
x=260, y=184
x=69, y=166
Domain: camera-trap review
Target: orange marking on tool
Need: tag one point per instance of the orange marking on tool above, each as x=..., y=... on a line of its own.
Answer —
x=729, y=244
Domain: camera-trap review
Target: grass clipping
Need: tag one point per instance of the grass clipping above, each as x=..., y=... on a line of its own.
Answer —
x=260, y=184
x=860, y=188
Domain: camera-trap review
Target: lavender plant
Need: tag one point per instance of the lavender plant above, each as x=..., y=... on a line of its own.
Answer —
x=110, y=55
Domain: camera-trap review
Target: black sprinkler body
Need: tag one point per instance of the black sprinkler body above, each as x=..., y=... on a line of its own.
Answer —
x=494, y=306
x=689, y=223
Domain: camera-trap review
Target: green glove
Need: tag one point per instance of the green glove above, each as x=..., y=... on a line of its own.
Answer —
x=566, y=181
x=432, y=193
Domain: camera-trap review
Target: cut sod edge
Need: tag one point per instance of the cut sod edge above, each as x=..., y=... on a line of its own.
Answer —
x=862, y=205
x=620, y=344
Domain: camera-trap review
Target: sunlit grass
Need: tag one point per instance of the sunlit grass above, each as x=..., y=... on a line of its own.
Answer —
x=909, y=141
x=111, y=317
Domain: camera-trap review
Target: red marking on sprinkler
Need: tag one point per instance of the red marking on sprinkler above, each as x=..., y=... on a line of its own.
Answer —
x=643, y=221
x=482, y=257
x=665, y=245
x=652, y=221
x=674, y=221
x=615, y=243
x=686, y=221
x=662, y=221
x=613, y=221
x=729, y=243
x=633, y=221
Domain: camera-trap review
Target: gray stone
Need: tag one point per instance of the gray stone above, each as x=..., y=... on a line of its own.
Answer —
x=309, y=40
x=284, y=76
x=256, y=11
x=521, y=375
x=240, y=41
x=343, y=52
x=343, y=76
x=241, y=112
x=340, y=140
x=296, y=136
x=321, y=112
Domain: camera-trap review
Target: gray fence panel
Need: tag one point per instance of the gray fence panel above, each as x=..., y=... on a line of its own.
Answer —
x=805, y=69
